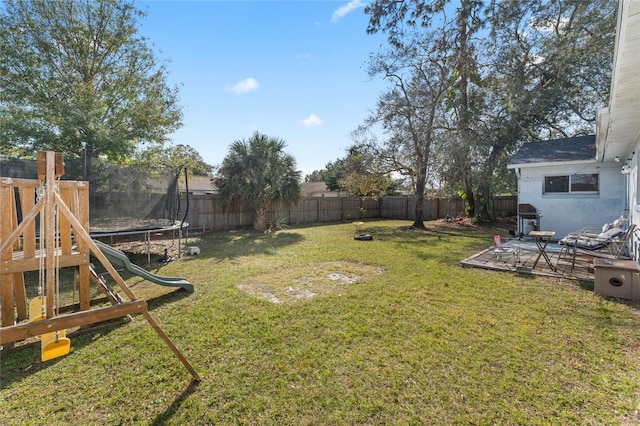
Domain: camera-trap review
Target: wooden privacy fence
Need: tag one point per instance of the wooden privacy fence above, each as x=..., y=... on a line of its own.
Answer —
x=207, y=211
x=405, y=207
x=506, y=206
x=438, y=208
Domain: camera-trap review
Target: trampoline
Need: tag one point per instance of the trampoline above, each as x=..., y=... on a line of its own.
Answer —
x=124, y=201
x=102, y=229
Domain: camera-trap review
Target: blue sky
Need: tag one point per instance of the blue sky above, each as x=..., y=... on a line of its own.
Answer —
x=289, y=69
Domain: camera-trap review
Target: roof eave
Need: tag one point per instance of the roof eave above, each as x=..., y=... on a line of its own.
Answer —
x=551, y=163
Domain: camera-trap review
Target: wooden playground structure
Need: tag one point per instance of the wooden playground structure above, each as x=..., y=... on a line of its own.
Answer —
x=53, y=234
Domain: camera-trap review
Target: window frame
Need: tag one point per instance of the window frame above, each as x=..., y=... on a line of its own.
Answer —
x=570, y=184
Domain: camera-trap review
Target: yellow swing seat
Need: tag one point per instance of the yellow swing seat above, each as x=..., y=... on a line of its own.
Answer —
x=36, y=309
x=54, y=344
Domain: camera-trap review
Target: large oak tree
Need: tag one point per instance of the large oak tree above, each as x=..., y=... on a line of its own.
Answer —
x=74, y=74
x=521, y=70
x=411, y=111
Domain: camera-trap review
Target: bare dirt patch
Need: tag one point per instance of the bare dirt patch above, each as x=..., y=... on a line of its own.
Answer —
x=159, y=248
x=467, y=225
x=308, y=281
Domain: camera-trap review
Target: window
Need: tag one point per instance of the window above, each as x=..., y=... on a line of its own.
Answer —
x=556, y=184
x=584, y=183
x=571, y=183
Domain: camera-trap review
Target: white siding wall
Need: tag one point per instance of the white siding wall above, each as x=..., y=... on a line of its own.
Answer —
x=564, y=213
x=634, y=201
x=633, y=183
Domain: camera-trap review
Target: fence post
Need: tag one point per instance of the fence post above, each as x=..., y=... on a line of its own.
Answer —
x=492, y=210
x=406, y=207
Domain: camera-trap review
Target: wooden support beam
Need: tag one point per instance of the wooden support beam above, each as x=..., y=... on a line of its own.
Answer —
x=169, y=343
x=31, y=329
x=50, y=235
x=65, y=240
x=27, y=202
x=6, y=280
x=59, y=160
x=84, y=286
x=42, y=165
x=21, y=295
x=6, y=294
x=26, y=220
x=19, y=264
x=102, y=286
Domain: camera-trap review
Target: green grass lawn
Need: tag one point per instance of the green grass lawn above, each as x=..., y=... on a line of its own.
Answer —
x=309, y=326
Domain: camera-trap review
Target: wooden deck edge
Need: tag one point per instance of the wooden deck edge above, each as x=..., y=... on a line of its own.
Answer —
x=482, y=260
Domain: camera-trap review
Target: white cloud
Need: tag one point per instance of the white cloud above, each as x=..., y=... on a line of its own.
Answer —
x=549, y=26
x=244, y=86
x=342, y=11
x=311, y=120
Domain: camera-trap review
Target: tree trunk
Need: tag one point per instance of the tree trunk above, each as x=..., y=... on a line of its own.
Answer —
x=418, y=222
x=484, y=193
x=471, y=199
x=260, y=219
x=421, y=180
x=464, y=122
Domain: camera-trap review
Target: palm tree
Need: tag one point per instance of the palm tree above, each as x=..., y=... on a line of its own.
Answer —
x=259, y=172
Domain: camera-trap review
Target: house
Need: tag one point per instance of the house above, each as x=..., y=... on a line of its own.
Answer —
x=567, y=185
x=619, y=124
x=199, y=185
x=591, y=180
x=319, y=189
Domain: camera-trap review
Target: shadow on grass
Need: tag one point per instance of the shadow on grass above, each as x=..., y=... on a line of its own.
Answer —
x=20, y=361
x=446, y=245
x=223, y=245
x=168, y=298
x=232, y=244
x=175, y=405
x=23, y=360
x=228, y=245
x=586, y=285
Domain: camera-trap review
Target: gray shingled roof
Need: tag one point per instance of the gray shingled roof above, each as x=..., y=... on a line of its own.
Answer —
x=578, y=148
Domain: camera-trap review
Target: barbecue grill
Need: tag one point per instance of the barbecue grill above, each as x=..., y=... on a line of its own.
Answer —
x=528, y=214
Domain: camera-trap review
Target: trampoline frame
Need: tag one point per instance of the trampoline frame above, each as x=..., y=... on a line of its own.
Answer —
x=147, y=231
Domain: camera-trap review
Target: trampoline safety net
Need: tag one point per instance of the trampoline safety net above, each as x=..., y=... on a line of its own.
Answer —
x=121, y=197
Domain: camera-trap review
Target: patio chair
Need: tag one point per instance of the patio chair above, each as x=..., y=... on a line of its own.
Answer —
x=503, y=252
x=611, y=243
x=596, y=238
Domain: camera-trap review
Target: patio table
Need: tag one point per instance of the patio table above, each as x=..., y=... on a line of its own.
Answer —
x=542, y=238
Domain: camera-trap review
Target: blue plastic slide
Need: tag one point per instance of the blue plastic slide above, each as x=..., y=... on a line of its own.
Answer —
x=120, y=260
